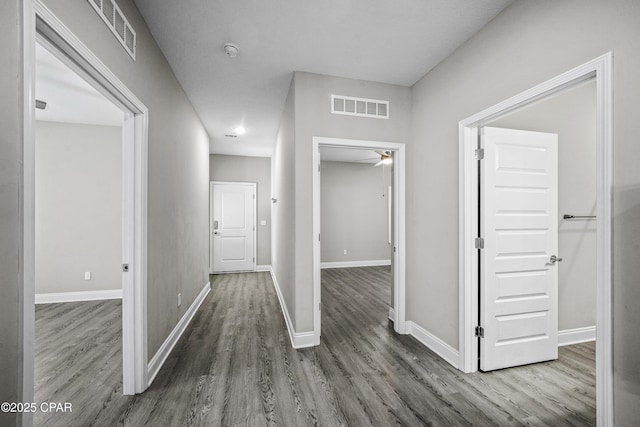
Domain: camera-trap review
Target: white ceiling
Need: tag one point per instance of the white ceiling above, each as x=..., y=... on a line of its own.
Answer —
x=386, y=41
x=69, y=98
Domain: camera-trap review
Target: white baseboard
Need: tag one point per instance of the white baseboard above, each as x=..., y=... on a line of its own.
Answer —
x=435, y=344
x=261, y=268
x=165, y=349
x=298, y=340
x=392, y=314
x=349, y=264
x=304, y=339
x=78, y=296
x=576, y=336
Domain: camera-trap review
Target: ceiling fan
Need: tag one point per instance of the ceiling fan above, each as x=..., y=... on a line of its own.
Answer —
x=385, y=158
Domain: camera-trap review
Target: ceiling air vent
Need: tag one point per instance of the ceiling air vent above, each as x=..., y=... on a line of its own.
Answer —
x=117, y=23
x=361, y=107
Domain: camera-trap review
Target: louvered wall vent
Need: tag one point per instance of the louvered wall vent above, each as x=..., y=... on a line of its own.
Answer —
x=362, y=107
x=117, y=22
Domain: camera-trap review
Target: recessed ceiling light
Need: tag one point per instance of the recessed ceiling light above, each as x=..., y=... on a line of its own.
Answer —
x=240, y=130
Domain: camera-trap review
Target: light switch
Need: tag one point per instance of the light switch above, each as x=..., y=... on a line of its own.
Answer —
x=263, y=222
x=87, y=275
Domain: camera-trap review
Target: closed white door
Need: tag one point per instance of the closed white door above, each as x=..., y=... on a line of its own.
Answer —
x=519, y=225
x=232, y=227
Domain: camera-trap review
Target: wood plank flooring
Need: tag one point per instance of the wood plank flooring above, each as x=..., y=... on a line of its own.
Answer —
x=78, y=355
x=235, y=366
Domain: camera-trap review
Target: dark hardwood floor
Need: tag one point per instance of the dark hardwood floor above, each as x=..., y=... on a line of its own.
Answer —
x=78, y=356
x=235, y=366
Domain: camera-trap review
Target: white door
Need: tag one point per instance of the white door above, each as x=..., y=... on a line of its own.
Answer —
x=232, y=226
x=519, y=224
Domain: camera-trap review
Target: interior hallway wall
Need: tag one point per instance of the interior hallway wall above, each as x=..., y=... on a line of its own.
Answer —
x=78, y=207
x=527, y=44
x=283, y=204
x=11, y=257
x=249, y=169
x=354, y=211
x=178, y=164
x=571, y=115
x=313, y=118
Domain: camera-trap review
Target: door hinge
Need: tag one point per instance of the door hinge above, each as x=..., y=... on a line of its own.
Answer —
x=318, y=237
x=479, y=242
x=125, y=268
x=318, y=167
x=479, y=332
x=254, y=196
x=479, y=153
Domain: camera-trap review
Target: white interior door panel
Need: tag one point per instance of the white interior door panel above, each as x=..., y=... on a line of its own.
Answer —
x=232, y=227
x=519, y=225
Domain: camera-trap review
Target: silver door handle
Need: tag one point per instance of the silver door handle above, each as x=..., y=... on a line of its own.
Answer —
x=554, y=259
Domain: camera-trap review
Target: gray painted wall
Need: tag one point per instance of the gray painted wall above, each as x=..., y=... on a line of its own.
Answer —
x=249, y=169
x=10, y=188
x=313, y=118
x=526, y=44
x=282, y=211
x=354, y=211
x=78, y=207
x=178, y=198
x=571, y=115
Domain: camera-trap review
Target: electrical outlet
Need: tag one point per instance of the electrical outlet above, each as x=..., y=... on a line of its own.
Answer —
x=87, y=275
x=345, y=252
x=179, y=300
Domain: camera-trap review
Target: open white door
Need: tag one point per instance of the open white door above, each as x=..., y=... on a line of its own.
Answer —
x=232, y=226
x=519, y=225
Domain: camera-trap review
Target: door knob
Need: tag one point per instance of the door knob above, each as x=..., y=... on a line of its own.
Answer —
x=554, y=259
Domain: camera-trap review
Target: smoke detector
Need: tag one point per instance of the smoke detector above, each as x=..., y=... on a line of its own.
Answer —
x=231, y=49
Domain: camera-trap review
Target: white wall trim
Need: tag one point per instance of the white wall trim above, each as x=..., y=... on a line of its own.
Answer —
x=261, y=268
x=601, y=69
x=399, y=255
x=304, y=339
x=350, y=264
x=576, y=336
x=298, y=340
x=435, y=344
x=392, y=314
x=165, y=349
x=54, y=297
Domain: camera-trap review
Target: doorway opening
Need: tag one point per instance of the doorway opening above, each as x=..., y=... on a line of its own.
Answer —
x=394, y=232
x=598, y=70
x=78, y=238
x=43, y=28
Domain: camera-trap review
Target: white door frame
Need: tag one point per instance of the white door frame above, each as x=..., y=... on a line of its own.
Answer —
x=255, y=219
x=399, y=255
x=41, y=25
x=600, y=70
